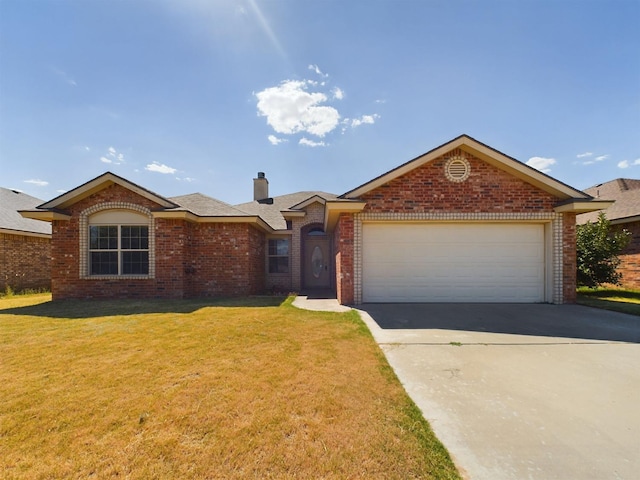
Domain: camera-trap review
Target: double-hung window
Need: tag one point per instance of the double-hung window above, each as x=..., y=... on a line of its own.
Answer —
x=278, y=255
x=118, y=249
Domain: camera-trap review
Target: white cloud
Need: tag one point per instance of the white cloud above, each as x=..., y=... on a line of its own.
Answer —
x=541, y=163
x=275, y=140
x=368, y=119
x=585, y=154
x=160, y=168
x=601, y=158
x=318, y=71
x=290, y=109
x=306, y=107
x=112, y=156
x=627, y=163
x=311, y=143
x=37, y=182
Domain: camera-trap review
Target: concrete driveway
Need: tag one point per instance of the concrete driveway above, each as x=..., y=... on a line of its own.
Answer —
x=521, y=391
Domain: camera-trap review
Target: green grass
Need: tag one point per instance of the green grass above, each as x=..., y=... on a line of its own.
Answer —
x=618, y=300
x=232, y=388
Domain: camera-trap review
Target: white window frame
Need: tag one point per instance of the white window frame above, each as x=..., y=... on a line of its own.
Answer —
x=115, y=214
x=119, y=250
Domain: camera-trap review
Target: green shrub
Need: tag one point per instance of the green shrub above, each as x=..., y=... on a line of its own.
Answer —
x=597, y=250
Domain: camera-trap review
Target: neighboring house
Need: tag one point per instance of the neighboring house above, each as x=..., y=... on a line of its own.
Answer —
x=624, y=213
x=25, y=244
x=461, y=223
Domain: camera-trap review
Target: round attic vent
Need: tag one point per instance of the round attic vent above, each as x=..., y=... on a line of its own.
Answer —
x=457, y=169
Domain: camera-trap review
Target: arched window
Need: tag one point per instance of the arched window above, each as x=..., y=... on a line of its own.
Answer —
x=118, y=243
x=315, y=231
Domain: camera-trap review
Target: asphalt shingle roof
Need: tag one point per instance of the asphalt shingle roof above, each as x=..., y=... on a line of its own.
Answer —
x=205, y=206
x=10, y=202
x=625, y=192
x=271, y=213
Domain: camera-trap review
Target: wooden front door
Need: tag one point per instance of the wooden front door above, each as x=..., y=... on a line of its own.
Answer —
x=316, y=261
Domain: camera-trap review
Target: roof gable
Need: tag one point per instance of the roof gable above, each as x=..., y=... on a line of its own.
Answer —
x=483, y=152
x=99, y=183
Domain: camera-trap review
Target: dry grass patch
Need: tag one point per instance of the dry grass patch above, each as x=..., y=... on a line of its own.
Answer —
x=195, y=389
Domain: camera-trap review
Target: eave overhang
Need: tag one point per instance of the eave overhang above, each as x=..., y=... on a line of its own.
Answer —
x=620, y=221
x=292, y=214
x=44, y=215
x=333, y=209
x=191, y=217
x=579, y=205
x=24, y=233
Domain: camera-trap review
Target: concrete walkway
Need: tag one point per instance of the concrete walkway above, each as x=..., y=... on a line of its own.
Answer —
x=319, y=304
x=519, y=391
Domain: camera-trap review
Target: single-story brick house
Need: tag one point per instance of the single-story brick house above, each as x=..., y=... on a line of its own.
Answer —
x=460, y=223
x=624, y=213
x=25, y=245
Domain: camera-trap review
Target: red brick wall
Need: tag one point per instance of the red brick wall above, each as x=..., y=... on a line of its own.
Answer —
x=488, y=189
x=25, y=262
x=630, y=258
x=256, y=255
x=190, y=259
x=343, y=241
x=225, y=259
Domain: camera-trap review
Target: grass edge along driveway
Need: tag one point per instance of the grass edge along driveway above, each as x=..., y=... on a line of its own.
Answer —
x=237, y=388
x=614, y=299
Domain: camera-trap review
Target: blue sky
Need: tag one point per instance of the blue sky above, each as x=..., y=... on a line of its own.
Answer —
x=185, y=96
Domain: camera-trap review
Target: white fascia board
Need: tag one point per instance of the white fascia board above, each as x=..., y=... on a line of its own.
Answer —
x=23, y=233
x=44, y=215
x=333, y=209
x=583, y=206
x=190, y=217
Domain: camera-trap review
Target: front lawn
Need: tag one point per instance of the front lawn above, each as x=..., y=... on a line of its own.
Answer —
x=619, y=300
x=250, y=388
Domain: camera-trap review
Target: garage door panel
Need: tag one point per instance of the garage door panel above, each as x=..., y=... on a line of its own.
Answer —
x=453, y=262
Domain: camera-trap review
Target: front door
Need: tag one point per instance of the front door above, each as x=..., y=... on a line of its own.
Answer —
x=316, y=261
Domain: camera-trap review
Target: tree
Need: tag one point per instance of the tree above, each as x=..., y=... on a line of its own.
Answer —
x=597, y=250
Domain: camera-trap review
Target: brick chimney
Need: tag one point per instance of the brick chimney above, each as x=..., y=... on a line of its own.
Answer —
x=260, y=187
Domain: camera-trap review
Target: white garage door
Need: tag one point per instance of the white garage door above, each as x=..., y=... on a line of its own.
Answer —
x=450, y=262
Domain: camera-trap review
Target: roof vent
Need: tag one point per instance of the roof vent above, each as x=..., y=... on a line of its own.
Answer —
x=457, y=169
